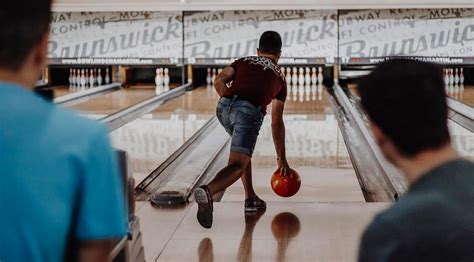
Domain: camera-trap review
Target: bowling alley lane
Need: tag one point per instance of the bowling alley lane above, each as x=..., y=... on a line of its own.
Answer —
x=296, y=232
x=152, y=138
x=62, y=91
x=464, y=94
x=462, y=139
x=315, y=148
x=109, y=103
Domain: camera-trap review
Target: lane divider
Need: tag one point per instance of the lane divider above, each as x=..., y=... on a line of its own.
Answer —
x=122, y=117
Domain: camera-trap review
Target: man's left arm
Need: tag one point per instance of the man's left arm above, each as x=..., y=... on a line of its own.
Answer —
x=224, y=77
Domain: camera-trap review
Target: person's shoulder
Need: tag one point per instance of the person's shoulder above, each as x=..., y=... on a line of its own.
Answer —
x=427, y=208
x=414, y=203
x=465, y=167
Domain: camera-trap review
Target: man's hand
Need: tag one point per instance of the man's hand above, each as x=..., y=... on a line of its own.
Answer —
x=222, y=79
x=283, y=167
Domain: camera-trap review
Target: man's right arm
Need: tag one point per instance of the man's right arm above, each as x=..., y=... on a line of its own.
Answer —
x=278, y=133
x=92, y=251
x=224, y=77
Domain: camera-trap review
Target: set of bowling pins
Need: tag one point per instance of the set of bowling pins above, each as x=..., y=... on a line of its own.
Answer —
x=211, y=75
x=303, y=76
x=210, y=78
x=87, y=78
x=162, y=80
x=454, y=81
x=303, y=84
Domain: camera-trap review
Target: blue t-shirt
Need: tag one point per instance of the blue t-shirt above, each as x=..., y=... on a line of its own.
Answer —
x=58, y=178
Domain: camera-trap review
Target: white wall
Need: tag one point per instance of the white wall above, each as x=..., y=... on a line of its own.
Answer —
x=186, y=5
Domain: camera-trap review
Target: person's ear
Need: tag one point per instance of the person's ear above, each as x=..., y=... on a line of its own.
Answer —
x=385, y=144
x=258, y=51
x=40, y=52
x=279, y=55
x=379, y=136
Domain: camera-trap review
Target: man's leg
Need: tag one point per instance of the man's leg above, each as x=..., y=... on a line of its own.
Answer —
x=226, y=177
x=238, y=164
x=247, y=181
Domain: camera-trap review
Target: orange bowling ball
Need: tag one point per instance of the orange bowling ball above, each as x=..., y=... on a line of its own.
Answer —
x=286, y=186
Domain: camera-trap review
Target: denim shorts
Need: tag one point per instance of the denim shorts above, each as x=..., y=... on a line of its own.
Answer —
x=242, y=120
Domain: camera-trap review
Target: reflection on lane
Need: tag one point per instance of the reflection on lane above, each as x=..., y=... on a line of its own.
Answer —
x=152, y=138
x=61, y=91
x=103, y=105
x=464, y=94
x=462, y=139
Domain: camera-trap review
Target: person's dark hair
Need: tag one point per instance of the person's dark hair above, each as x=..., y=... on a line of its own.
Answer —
x=406, y=99
x=22, y=25
x=270, y=43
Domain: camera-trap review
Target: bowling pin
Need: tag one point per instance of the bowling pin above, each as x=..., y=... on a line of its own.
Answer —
x=294, y=90
x=282, y=70
x=294, y=77
x=214, y=74
x=314, y=78
x=96, y=74
x=288, y=92
x=320, y=91
x=99, y=77
x=451, y=77
x=288, y=76
x=91, y=78
x=446, y=77
x=107, y=77
x=307, y=92
x=157, y=89
x=158, y=79
x=307, y=76
x=301, y=76
x=83, y=79
x=166, y=77
x=320, y=75
x=301, y=93
x=86, y=78
x=461, y=76
x=456, y=91
x=75, y=78
x=456, y=76
x=70, y=77
x=313, y=91
x=208, y=77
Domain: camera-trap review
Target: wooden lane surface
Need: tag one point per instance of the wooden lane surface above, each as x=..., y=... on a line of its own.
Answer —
x=151, y=139
x=296, y=232
x=61, y=91
x=115, y=101
x=464, y=95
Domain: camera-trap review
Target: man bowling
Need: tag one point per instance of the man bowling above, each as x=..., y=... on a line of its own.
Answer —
x=254, y=82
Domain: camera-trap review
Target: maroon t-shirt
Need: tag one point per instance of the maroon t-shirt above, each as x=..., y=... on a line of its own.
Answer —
x=258, y=80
